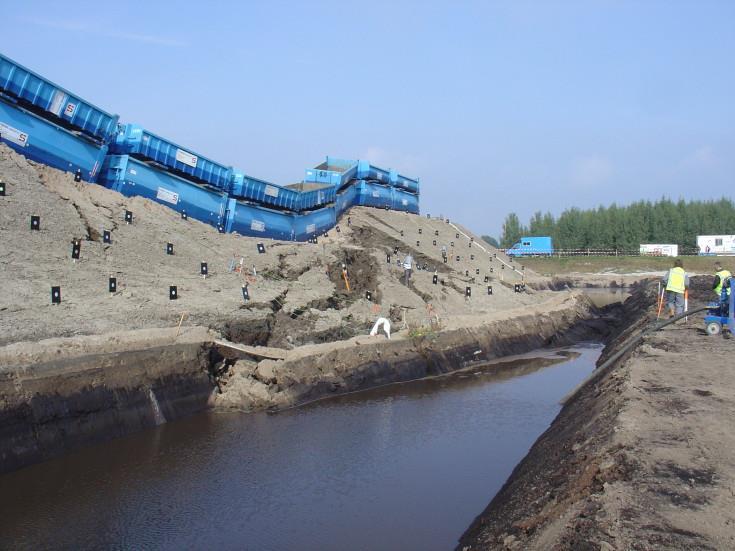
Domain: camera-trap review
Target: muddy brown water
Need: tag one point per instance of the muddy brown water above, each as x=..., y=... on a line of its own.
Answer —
x=407, y=466
x=604, y=296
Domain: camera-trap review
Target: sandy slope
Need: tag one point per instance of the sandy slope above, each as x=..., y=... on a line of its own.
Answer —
x=297, y=294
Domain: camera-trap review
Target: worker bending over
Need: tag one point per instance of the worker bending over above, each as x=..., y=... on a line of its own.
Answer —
x=721, y=276
x=677, y=282
x=386, y=327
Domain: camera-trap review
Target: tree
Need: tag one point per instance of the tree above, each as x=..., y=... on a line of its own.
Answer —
x=490, y=240
x=512, y=231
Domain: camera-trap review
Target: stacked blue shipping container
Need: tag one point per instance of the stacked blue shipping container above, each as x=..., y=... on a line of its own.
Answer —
x=49, y=124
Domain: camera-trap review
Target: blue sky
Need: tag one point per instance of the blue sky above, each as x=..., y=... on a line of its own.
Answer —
x=496, y=106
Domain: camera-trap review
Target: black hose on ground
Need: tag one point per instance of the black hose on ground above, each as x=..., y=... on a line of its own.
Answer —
x=632, y=341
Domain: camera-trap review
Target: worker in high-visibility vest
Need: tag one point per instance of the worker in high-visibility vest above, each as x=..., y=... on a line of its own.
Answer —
x=677, y=282
x=721, y=275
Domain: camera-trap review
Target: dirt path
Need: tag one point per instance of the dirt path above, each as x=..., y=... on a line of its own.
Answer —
x=641, y=460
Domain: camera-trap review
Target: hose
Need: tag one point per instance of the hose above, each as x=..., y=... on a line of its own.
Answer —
x=632, y=341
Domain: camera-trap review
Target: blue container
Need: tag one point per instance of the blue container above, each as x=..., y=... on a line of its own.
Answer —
x=131, y=177
x=403, y=182
x=313, y=223
x=132, y=139
x=403, y=200
x=264, y=193
x=366, y=171
x=336, y=172
x=254, y=221
x=51, y=101
x=346, y=199
x=296, y=197
x=370, y=194
x=40, y=140
x=312, y=195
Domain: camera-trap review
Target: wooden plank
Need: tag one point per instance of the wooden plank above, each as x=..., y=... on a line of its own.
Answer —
x=260, y=351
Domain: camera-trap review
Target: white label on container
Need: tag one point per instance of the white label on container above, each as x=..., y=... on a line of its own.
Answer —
x=311, y=228
x=404, y=202
x=70, y=108
x=133, y=171
x=167, y=195
x=376, y=194
x=186, y=158
x=57, y=101
x=271, y=190
x=257, y=225
x=13, y=135
x=380, y=176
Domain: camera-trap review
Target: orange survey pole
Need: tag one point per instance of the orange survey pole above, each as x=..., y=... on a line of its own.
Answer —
x=347, y=280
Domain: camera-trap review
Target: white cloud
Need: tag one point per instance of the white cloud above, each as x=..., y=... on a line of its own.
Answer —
x=591, y=171
x=702, y=157
x=79, y=27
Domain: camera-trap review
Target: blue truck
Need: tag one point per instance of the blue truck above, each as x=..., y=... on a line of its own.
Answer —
x=532, y=246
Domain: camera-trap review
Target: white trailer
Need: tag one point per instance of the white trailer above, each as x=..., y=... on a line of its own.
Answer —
x=651, y=249
x=716, y=244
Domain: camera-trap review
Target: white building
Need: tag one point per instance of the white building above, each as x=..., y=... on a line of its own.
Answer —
x=716, y=244
x=650, y=249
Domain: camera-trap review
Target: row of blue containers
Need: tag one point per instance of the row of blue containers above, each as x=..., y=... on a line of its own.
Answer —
x=340, y=172
x=50, y=125
x=132, y=177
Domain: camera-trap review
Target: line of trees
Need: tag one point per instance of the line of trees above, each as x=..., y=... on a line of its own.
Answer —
x=626, y=227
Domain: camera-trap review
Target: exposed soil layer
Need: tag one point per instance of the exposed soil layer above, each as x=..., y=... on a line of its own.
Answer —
x=641, y=458
x=59, y=394
x=314, y=372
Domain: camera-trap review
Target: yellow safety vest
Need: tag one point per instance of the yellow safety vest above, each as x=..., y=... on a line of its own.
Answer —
x=677, y=278
x=724, y=274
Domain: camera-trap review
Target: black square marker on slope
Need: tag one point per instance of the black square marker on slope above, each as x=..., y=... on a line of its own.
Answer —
x=436, y=232
x=434, y=242
x=203, y=269
x=387, y=258
x=445, y=260
x=337, y=229
x=315, y=240
x=489, y=289
x=76, y=248
x=467, y=273
x=419, y=231
x=112, y=285
x=173, y=292
x=35, y=223
x=128, y=217
x=418, y=243
x=369, y=295
x=458, y=258
x=487, y=278
x=456, y=235
x=78, y=175
x=261, y=248
x=468, y=292
x=55, y=295
x=395, y=250
x=169, y=248
x=477, y=271
x=401, y=233
x=451, y=243
x=106, y=236
x=245, y=293
x=428, y=216
x=435, y=279
x=472, y=257
x=184, y=216
x=2, y=188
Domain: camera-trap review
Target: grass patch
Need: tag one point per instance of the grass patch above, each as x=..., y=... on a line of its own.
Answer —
x=621, y=264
